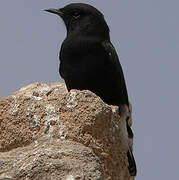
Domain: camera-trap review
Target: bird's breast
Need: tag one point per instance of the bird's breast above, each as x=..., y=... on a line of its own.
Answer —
x=80, y=57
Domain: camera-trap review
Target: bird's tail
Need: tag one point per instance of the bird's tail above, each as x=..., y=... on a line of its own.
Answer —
x=132, y=165
x=124, y=111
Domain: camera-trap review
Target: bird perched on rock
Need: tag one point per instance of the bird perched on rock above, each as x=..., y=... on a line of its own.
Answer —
x=88, y=60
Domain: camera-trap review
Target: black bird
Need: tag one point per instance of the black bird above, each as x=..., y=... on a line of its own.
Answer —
x=88, y=59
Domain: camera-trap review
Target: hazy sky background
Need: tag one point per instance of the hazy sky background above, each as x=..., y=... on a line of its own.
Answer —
x=146, y=36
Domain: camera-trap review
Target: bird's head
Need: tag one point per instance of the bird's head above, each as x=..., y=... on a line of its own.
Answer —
x=82, y=19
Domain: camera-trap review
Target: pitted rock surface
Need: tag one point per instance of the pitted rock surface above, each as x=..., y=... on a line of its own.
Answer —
x=49, y=133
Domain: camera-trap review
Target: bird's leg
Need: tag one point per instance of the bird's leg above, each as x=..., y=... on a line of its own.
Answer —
x=124, y=109
x=129, y=130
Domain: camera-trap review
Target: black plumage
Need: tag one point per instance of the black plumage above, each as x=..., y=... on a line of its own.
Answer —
x=89, y=61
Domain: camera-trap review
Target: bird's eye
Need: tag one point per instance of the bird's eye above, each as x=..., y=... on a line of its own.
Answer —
x=76, y=14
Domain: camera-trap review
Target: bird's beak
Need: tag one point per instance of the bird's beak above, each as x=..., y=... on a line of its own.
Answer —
x=55, y=11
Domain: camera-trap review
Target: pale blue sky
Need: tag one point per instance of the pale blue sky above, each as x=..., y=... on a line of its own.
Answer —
x=146, y=36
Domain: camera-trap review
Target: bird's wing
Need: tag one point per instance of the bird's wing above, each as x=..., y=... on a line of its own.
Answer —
x=114, y=60
x=112, y=55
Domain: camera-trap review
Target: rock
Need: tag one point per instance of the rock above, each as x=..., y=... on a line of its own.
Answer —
x=47, y=133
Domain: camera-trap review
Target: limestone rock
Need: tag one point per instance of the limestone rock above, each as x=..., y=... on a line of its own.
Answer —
x=47, y=133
